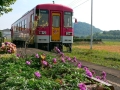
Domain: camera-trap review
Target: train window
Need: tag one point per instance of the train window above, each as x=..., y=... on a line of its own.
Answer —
x=67, y=19
x=43, y=21
x=14, y=28
x=25, y=27
x=25, y=24
x=31, y=20
x=55, y=21
x=37, y=12
x=20, y=26
x=17, y=27
x=25, y=21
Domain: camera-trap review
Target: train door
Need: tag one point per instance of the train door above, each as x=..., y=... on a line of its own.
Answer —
x=55, y=36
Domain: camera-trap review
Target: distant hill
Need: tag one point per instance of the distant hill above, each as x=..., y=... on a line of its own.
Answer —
x=84, y=29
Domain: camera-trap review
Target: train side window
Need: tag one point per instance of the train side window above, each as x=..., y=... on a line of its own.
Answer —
x=31, y=21
x=20, y=26
x=67, y=19
x=14, y=28
x=25, y=24
x=17, y=27
x=55, y=21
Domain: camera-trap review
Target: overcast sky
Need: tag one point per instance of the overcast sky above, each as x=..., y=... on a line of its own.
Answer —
x=106, y=13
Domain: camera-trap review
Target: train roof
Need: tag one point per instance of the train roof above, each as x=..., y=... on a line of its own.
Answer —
x=54, y=7
x=49, y=7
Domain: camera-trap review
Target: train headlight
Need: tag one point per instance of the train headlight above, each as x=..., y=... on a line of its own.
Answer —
x=68, y=33
x=42, y=32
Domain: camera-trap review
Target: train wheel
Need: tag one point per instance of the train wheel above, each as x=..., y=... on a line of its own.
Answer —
x=23, y=44
x=48, y=47
x=36, y=45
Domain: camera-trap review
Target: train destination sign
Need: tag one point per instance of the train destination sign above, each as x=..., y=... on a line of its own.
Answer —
x=68, y=13
x=44, y=11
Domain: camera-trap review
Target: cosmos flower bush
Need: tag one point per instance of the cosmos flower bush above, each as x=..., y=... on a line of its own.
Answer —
x=8, y=47
x=44, y=72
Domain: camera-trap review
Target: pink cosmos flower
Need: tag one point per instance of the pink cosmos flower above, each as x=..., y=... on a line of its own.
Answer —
x=88, y=73
x=74, y=59
x=58, y=50
x=18, y=55
x=82, y=86
x=69, y=58
x=63, y=60
x=37, y=74
x=28, y=62
x=93, y=72
x=79, y=65
x=44, y=62
x=9, y=51
x=98, y=77
x=103, y=75
x=37, y=56
x=85, y=68
x=54, y=60
x=61, y=54
x=6, y=43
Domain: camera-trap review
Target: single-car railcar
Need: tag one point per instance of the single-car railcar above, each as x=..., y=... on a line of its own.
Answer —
x=54, y=27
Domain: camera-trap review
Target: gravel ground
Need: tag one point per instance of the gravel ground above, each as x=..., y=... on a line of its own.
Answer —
x=113, y=75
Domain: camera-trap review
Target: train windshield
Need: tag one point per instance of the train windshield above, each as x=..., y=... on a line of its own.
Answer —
x=43, y=18
x=67, y=19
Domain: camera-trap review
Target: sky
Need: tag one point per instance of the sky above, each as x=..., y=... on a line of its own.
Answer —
x=106, y=13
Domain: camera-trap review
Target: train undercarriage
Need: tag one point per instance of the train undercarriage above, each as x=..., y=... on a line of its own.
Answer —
x=46, y=46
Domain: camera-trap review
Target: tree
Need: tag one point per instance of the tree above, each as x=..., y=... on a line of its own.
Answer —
x=0, y=34
x=5, y=6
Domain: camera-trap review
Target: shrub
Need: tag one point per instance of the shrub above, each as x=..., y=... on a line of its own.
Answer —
x=8, y=47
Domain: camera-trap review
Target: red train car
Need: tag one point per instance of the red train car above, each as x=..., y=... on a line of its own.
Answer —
x=54, y=27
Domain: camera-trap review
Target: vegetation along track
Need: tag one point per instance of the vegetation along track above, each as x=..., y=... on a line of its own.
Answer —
x=113, y=75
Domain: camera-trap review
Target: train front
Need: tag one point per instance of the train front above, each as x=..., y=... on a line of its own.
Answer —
x=54, y=27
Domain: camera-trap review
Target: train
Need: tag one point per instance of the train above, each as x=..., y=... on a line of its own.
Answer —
x=45, y=26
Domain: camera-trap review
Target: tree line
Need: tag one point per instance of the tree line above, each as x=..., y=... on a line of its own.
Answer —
x=112, y=34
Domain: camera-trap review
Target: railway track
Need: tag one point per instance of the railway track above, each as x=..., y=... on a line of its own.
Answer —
x=113, y=75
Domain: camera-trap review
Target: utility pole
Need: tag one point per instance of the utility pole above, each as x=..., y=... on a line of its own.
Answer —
x=91, y=41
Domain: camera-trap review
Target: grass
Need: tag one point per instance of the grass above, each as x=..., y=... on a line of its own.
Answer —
x=112, y=42
x=7, y=40
x=98, y=56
